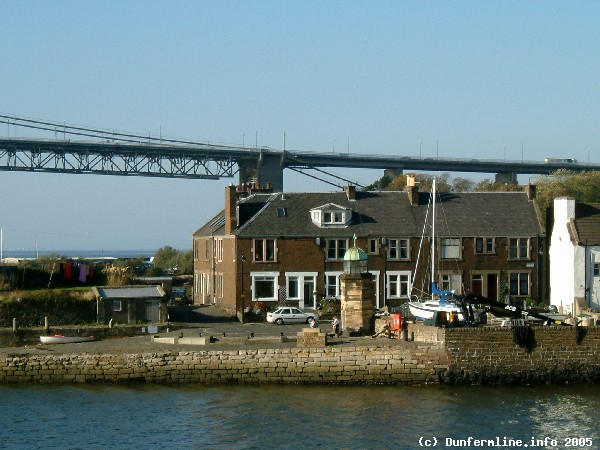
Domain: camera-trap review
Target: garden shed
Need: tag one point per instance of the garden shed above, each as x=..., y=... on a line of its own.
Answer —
x=131, y=304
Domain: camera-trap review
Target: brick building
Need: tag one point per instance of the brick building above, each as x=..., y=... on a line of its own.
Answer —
x=266, y=246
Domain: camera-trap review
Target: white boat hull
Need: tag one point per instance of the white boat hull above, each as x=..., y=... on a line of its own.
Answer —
x=60, y=339
x=427, y=310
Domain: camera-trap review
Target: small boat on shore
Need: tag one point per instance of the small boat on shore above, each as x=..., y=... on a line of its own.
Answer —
x=61, y=339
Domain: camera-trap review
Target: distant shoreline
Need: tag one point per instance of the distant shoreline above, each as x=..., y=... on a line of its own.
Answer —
x=79, y=253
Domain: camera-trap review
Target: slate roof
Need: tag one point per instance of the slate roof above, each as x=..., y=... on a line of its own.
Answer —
x=214, y=227
x=389, y=213
x=587, y=223
x=131, y=292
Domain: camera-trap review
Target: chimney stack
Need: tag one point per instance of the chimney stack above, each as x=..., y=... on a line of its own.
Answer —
x=231, y=198
x=350, y=192
x=412, y=189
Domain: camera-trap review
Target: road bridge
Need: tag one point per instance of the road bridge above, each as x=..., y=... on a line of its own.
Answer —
x=105, y=153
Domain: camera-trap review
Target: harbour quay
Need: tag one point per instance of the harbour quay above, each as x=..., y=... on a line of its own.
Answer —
x=457, y=356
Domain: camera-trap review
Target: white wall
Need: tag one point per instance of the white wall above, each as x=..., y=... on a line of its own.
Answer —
x=562, y=257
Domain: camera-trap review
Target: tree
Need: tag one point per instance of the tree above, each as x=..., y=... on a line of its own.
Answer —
x=167, y=258
x=582, y=186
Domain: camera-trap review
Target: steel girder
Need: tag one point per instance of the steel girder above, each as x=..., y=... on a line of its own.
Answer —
x=118, y=159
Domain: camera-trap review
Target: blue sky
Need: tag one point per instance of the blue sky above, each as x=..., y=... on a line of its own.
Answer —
x=472, y=78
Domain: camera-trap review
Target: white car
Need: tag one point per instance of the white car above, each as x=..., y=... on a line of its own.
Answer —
x=290, y=315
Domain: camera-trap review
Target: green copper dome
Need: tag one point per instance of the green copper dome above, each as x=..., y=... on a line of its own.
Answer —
x=355, y=254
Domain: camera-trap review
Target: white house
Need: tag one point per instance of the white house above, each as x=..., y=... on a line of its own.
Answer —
x=575, y=256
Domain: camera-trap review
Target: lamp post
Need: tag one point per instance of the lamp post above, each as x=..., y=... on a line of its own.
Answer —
x=242, y=260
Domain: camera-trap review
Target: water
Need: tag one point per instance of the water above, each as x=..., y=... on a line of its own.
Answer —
x=288, y=417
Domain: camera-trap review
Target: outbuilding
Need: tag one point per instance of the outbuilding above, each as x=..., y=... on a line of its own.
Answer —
x=131, y=304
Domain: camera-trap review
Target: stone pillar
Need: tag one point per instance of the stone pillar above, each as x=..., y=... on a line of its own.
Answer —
x=358, y=303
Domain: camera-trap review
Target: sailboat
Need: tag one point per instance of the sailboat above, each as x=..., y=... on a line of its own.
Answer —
x=441, y=300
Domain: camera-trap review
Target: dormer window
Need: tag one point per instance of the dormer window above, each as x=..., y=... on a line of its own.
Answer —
x=331, y=215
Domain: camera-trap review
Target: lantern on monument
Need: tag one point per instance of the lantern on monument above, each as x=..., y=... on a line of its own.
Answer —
x=355, y=260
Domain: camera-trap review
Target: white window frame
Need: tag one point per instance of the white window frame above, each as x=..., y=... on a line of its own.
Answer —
x=265, y=276
x=518, y=248
x=117, y=305
x=485, y=244
x=331, y=216
x=336, y=286
x=519, y=292
x=219, y=285
x=263, y=242
x=373, y=246
x=301, y=278
x=451, y=281
x=396, y=245
x=447, y=244
x=400, y=278
x=218, y=249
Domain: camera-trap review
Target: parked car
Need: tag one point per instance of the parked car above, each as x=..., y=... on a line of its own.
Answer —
x=179, y=297
x=290, y=315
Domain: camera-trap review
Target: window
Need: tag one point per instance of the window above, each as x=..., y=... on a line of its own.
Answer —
x=397, y=248
x=518, y=248
x=219, y=249
x=292, y=287
x=331, y=215
x=450, y=248
x=451, y=282
x=336, y=248
x=281, y=212
x=220, y=285
x=117, y=305
x=264, y=286
x=398, y=284
x=335, y=217
x=265, y=250
x=373, y=246
x=597, y=269
x=332, y=284
x=519, y=283
x=485, y=246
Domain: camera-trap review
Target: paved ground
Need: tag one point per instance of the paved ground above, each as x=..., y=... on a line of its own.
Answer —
x=227, y=333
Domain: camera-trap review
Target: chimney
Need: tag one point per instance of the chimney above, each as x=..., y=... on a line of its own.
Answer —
x=350, y=192
x=231, y=198
x=412, y=189
x=531, y=191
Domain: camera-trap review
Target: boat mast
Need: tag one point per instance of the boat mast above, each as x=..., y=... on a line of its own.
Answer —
x=433, y=234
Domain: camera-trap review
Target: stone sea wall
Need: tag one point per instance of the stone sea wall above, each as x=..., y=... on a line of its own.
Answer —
x=527, y=355
x=287, y=365
x=463, y=356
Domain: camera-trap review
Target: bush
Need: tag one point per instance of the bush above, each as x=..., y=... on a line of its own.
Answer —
x=64, y=307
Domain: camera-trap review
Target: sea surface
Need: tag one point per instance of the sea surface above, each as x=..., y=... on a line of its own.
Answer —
x=290, y=417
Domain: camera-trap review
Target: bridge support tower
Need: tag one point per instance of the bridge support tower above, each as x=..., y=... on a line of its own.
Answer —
x=506, y=178
x=268, y=168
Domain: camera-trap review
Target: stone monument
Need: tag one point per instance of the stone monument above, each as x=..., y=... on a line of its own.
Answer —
x=357, y=293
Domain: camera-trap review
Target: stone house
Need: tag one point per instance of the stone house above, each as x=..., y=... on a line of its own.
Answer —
x=131, y=304
x=575, y=256
x=265, y=246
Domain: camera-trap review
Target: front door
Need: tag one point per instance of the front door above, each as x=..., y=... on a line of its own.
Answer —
x=152, y=311
x=492, y=286
x=308, y=296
